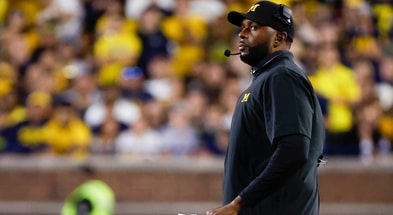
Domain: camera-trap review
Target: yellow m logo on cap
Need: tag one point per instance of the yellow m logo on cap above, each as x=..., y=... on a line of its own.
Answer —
x=252, y=8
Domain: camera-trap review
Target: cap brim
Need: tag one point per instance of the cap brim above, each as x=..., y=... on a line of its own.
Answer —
x=237, y=18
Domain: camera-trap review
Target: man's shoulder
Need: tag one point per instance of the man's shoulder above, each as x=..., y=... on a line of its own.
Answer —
x=284, y=68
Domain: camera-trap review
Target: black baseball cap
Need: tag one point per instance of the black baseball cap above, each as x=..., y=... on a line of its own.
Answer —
x=277, y=16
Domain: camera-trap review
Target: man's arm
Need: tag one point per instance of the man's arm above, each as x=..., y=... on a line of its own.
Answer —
x=290, y=154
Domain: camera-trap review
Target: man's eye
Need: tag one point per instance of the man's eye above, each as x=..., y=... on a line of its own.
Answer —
x=250, y=27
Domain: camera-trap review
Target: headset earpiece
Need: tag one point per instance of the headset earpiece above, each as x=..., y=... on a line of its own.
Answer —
x=284, y=15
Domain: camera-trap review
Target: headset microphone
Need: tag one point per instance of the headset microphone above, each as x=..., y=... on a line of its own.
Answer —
x=228, y=53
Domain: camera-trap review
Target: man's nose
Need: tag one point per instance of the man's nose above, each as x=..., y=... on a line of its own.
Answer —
x=242, y=34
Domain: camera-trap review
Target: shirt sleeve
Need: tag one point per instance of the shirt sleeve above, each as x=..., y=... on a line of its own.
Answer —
x=287, y=104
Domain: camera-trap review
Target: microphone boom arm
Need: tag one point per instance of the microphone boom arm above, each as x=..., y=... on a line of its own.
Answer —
x=228, y=53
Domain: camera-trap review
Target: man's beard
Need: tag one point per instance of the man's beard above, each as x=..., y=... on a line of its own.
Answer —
x=255, y=54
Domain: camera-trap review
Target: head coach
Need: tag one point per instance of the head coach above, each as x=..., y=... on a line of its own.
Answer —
x=277, y=131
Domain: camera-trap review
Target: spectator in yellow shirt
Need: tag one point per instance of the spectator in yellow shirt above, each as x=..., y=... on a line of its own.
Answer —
x=113, y=10
x=114, y=50
x=11, y=110
x=188, y=31
x=336, y=83
x=66, y=133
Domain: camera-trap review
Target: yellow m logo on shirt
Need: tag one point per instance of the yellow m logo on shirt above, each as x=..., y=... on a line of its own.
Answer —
x=252, y=8
x=245, y=97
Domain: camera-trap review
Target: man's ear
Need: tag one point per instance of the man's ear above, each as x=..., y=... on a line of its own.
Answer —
x=279, y=38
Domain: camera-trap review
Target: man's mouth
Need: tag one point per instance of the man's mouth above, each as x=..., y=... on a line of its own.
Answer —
x=242, y=47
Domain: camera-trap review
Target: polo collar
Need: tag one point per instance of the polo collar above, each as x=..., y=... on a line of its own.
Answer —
x=255, y=71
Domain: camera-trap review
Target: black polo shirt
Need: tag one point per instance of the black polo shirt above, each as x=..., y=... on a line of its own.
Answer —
x=280, y=101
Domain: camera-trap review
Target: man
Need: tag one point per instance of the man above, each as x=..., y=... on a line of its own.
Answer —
x=277, y=131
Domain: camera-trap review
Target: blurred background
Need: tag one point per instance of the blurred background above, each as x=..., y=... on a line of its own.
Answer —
x=138, y=95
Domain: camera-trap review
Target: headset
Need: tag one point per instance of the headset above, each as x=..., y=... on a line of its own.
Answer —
x=284, y=15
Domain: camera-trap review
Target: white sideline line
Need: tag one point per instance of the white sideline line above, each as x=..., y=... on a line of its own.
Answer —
x=173, y=208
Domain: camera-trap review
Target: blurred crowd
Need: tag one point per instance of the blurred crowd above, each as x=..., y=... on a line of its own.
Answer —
x=149, y=77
